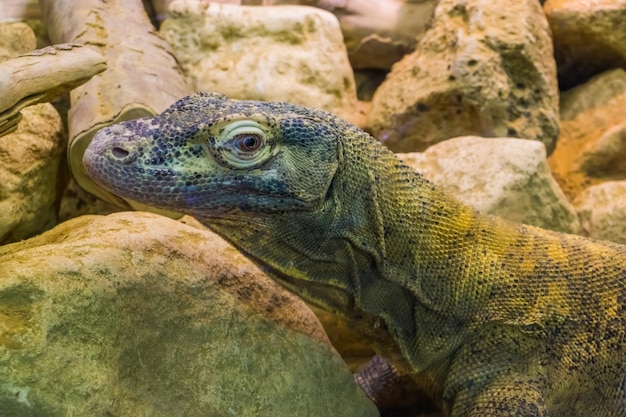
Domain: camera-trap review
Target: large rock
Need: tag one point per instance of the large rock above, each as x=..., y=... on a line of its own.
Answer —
x=273, y=53
x=16, y=38
x=134, y=314
x=30, y=182
x=377, y=33
x=472, y=74
x=589, y=37
x=602, y=211
x=506, y=177
x=592, y=145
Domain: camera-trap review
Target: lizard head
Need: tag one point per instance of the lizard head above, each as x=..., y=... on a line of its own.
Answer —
x=209, y=156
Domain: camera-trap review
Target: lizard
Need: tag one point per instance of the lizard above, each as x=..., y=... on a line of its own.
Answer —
x=491, y=318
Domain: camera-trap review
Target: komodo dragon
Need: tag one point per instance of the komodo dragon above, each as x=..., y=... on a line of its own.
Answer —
x=491, y=318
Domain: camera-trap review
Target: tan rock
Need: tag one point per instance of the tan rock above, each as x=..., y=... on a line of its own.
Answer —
x=377, y=33
x=472, y=75
x=134, y=314
x=602, y=211
x=503, y=176
x=30, y=159
x=16, y=38
x=592, y=144
x=273, y=53
x=589, y=37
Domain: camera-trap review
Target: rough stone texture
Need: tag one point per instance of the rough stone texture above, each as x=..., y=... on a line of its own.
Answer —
x=592, y=144
x=30, y=160
x=134, y=314
x=377, y=33
x=15, y=39
x=502, y=176
x=472, y=75
x=602, y=211
x=273, y=53
x=589, y=37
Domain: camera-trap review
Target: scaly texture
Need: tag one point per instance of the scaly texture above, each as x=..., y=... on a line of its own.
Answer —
x=491, y=318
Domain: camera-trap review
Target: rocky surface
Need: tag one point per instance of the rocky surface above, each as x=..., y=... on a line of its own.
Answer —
x=472, y=75
x=31, y=180
x=592, y=145
x=589, y=37
x=274, y=53
x=377, y=33
x=136, y=314
x=503, y=176
x=481, y=68
x=602, y=211
x=17, y=38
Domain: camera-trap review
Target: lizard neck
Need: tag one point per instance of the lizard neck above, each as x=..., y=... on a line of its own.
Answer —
x=410, y=267
x=375, y=252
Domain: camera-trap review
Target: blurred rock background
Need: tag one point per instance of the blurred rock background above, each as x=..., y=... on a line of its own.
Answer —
x=517, y=108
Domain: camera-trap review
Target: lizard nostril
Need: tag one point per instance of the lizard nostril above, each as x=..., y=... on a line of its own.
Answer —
x=119, y=152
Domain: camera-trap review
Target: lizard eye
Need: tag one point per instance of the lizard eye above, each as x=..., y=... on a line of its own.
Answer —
x=248, y=142
x=243, y=144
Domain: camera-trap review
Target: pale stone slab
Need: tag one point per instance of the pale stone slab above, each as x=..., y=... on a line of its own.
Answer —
x=267, y=53
x=503, y=176
x=602, y=211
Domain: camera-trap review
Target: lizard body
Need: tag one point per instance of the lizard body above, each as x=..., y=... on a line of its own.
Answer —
x=491, y=318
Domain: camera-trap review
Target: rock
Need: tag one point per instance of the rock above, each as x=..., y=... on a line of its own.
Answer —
x=134, y=314
x=377, y=33
x=592, y=144
x=472, y=75
x=30, y=160
x=589, y=37
x=602, y=211
x=503, y=176
x=16, y=38
x=273, y=53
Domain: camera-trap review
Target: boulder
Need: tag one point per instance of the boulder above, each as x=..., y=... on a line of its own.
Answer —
x=377, y=33
x=134, y=314
x=472, y=75
x=503, y=176
x=16, y=38
x=273, y=53
x=592, y=144
x=30, y=180
x=589, y=37
x=602, y=211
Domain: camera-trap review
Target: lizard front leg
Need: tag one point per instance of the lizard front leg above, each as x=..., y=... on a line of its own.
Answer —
x=505, y=397
x=497, y=373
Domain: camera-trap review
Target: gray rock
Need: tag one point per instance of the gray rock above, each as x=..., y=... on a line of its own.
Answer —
x=134, y=314
x=502, y=176
x=472, y=75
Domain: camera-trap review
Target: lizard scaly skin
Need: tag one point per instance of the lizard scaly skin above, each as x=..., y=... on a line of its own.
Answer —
x=491, y=318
